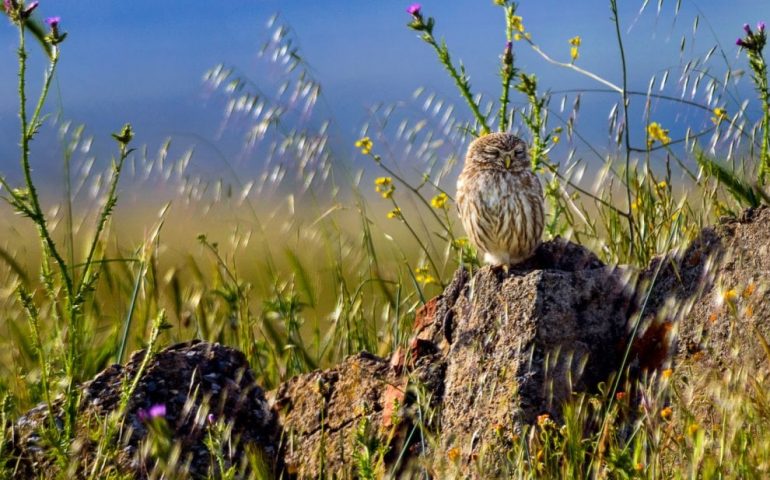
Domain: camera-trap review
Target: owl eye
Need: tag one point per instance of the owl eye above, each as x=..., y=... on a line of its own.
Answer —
x=520, y=152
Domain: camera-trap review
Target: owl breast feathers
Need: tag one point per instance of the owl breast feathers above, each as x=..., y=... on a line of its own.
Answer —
x=500, y=199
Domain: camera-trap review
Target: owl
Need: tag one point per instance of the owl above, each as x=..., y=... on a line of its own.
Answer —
x=500, y=199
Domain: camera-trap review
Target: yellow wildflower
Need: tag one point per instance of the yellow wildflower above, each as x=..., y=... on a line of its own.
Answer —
x=460, y=243
x=719, y=115
x=729, y=296
x=422, y=275
x=517, y=36
x=439, y=201
x=575, y=46
x=395, y=213
x=667, y=373
x=384, y=186
x=693, y=429
x=667, y=413
x=639, y=467
x=517, y=24
x=555, y=139
x=662, y=185
x=656, y=133
x=365, y=145
x=500, y=2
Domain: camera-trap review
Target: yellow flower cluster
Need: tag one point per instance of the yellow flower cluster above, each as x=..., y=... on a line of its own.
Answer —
x=422, y=275
x=656, y=133
x=719, y=115
x=517, y=24
x=384, y=186
x=439, y=201
x=575, y=46
x=395, y=213
x=460, y=243
x=365, y=145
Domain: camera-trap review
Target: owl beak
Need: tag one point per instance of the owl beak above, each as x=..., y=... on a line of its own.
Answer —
x=507, y=161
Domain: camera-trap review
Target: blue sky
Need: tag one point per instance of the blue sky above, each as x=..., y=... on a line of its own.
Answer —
x=142, y=61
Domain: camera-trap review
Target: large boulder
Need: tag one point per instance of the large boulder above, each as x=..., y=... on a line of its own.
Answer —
x=518, y=343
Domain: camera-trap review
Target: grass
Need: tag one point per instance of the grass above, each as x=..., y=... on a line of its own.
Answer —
x=347, y=256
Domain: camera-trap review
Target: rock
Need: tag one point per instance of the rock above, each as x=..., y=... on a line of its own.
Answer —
x=714, y=294
x=320, y=412
x=191, y=380
x=518, y=344
x=709, y=308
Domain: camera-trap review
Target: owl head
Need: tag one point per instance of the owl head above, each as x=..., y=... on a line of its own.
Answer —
x=498, y=151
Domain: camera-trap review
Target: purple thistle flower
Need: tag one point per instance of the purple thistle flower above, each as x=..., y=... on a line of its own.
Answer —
x=761, y=26
x=414, y=9
x=7, y=6
x=53, y=22
x=155, y=411
x=740, y=42
x=747, y=28
x=211, y=419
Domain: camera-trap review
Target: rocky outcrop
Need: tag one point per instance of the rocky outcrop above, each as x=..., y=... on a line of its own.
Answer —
x=707, y=316
x=713, y=296
x=495, y=351
x=190, y=387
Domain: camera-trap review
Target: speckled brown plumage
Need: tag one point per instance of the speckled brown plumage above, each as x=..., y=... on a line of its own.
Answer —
x=500, y=199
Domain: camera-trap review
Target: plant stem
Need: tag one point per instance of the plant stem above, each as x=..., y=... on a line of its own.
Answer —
x=460, y=80
x=507, y=69
x=764, y=95
x=626, y=125
x=49, y=247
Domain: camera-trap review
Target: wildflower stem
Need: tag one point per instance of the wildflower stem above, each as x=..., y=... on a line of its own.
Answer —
x=507, y=70
x=626, y=125
x=461, y=80
x=760, y=78
x=34, y=209
x=103, y=216
x=421, y=244
x=574, y=67
x=412, y=189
